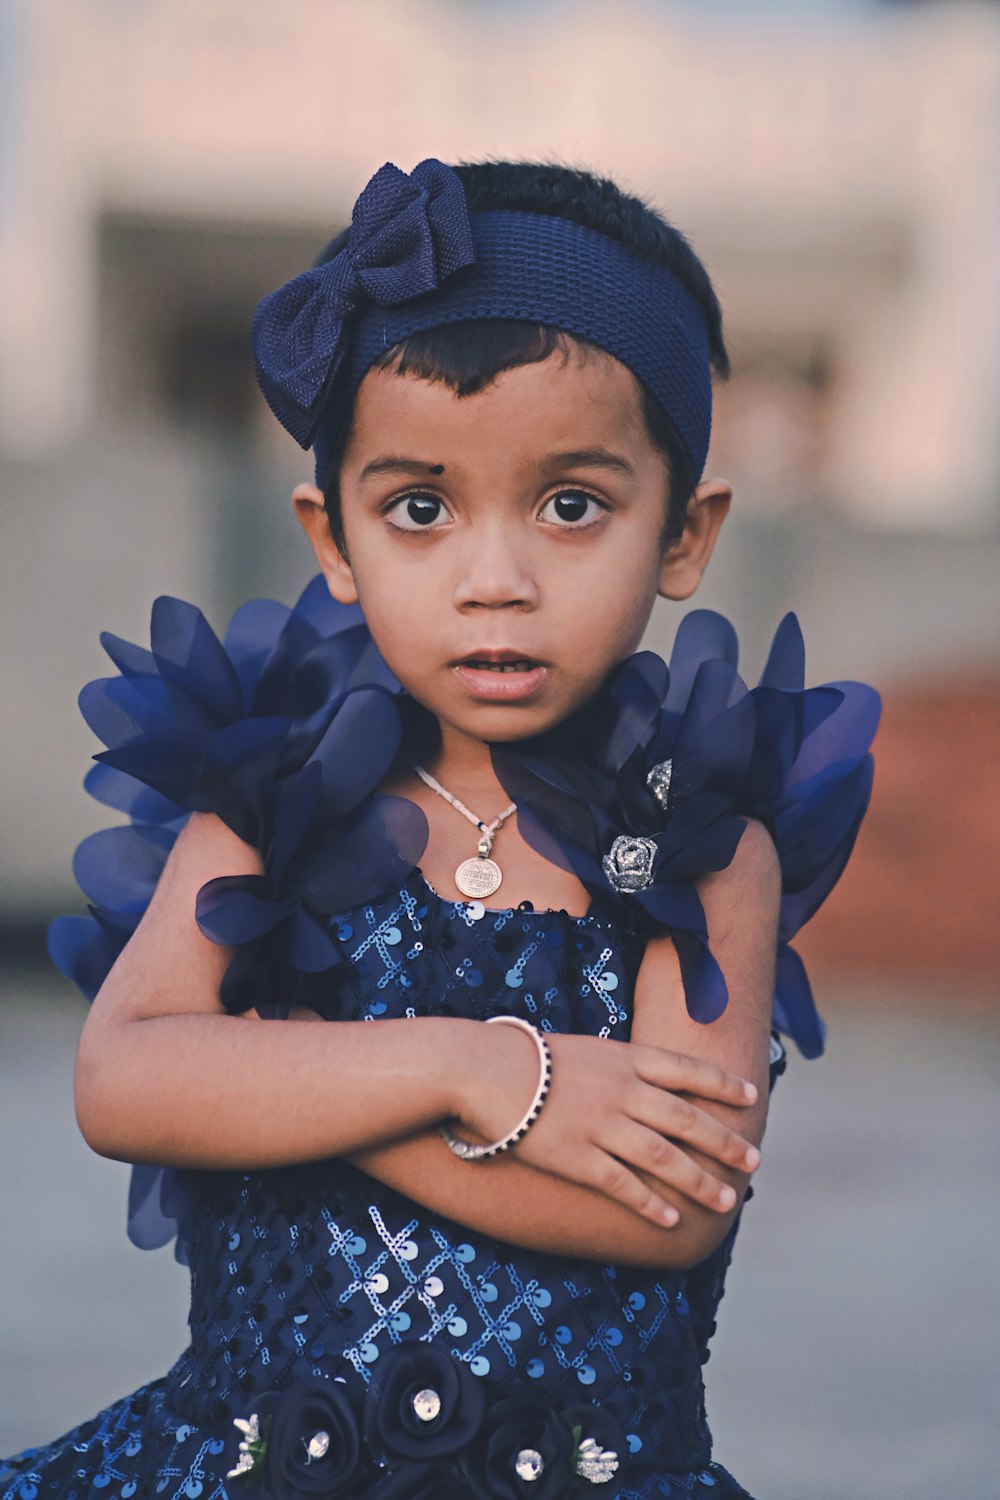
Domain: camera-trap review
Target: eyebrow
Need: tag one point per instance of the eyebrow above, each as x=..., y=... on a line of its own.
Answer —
x=390, y=464
x=574, y=458
x=589, y=458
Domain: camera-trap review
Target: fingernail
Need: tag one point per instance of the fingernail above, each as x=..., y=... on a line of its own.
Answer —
x=750, y=1092
x=752, y=1157
x=670, y=1216
x=727, y=1197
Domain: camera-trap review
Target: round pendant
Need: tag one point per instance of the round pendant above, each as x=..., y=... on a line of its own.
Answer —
x=478, y=877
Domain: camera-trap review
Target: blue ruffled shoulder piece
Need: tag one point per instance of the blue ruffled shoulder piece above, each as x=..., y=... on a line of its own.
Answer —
x=283, y=729
x=286, y=726
x=652, y=785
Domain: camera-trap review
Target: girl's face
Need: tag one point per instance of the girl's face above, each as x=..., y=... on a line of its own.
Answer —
x=506, y=547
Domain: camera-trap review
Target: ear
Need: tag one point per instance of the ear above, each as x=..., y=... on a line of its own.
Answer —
x=686, y=560
x=309, y=507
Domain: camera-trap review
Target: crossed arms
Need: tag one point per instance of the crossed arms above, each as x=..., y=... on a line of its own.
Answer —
x=632, y=1133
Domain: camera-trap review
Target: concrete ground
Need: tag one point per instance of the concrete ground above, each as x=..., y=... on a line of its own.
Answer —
x=856, y=1357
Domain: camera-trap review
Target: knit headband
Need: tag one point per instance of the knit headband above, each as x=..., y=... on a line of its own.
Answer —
x=415, y=259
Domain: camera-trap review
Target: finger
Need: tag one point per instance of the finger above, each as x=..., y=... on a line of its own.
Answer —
x=616, y=1181
x=638, y=1146
x=692, y=1075
x=671, y=1115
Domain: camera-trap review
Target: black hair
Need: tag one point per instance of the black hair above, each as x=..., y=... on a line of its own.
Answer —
x=469, y=356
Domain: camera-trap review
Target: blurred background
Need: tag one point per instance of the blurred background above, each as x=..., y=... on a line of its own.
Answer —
x=163, y=163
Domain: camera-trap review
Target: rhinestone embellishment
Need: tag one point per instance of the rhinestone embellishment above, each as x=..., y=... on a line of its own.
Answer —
x=658, y=781
x=426, y=1404
x=318, y=1444
x=629, y=863
x=529, y=1464
x=594, y=1462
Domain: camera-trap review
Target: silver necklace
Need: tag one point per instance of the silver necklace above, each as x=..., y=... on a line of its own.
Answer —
x=480, y=876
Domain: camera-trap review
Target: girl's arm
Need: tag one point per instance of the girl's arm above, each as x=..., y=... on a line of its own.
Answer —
x=531, y=1207
x=164, y=1076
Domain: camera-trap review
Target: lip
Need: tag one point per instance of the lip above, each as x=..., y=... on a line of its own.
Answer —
x=499, y=687
x=496, y=653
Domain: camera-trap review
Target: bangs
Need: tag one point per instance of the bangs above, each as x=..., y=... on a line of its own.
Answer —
x=467, y=357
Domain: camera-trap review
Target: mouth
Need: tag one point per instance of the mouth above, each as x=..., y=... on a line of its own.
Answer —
x=482, y=664
x=497, y=674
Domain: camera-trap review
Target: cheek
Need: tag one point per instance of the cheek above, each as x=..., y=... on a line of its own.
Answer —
x=607, y=635
x=401, y=625
x=611, y=605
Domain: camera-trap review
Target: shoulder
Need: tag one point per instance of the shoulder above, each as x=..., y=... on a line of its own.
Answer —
x=756, y=857
x=208, y=845
x=751, y=882
x=167, y=965
x=205, y=849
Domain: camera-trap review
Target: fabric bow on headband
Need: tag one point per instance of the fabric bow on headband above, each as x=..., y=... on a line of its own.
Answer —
x=409, y=233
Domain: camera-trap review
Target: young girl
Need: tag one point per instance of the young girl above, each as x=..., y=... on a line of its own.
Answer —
x=430, y=1259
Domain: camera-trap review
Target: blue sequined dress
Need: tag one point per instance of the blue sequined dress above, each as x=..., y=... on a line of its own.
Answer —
x=318, y=1270
x=345, y=1341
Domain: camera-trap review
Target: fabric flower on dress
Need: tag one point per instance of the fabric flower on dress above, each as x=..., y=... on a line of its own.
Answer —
x=227, y=726
x=674, y=762
x=422, y=1404
x=585, y=802
x=117, y=869
x=811, y=784
x=524, y=1449
x=327, y=843
x=196, y=723
x=440, y=1481
x=430, y=1430
x=302, y=1442
x=210, y=724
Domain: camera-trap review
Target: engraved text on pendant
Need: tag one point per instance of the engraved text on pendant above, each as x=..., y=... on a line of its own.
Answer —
x=478, y=877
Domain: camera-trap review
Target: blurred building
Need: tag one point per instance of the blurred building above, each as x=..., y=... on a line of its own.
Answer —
x=163, y=163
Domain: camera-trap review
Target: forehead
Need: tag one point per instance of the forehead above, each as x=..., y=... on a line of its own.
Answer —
x=581, y=398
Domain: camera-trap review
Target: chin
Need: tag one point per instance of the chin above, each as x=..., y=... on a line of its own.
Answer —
x=500, y=726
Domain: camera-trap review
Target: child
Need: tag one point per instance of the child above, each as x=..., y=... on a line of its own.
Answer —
x=504, y=371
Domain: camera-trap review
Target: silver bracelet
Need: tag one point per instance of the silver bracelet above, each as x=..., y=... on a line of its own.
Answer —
x=480, y=1153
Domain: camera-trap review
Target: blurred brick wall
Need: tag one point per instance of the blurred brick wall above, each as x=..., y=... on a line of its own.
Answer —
x=919, y=898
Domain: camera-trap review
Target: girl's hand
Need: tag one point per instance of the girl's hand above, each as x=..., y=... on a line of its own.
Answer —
x=613, y=1109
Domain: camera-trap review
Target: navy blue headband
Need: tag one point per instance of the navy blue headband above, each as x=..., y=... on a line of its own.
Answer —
x=416, y=260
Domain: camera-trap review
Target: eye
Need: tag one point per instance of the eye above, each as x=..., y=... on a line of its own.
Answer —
x=416, y=513
x=572, y=508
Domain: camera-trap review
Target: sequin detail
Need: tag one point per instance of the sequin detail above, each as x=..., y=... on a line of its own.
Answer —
x=318, y=1270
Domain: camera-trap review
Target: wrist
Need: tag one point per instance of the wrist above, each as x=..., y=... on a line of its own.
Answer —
x=495, y=1080
x=476, y=1151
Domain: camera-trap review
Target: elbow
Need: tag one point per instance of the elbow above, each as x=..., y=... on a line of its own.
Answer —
x=99, y=1106
x=698, y=1235
x=692, y=1246
x=88, y=1101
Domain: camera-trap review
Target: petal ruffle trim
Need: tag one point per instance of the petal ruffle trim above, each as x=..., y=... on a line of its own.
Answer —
x=677, y=760
x=284, y=730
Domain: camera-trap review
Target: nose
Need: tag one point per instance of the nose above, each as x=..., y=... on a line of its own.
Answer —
x=495, y=572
